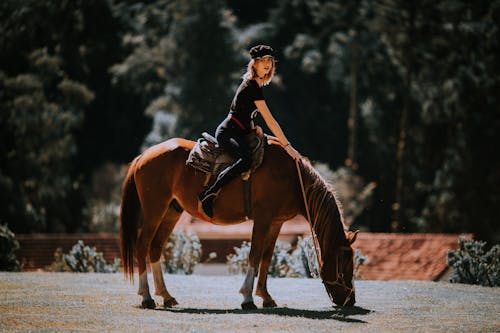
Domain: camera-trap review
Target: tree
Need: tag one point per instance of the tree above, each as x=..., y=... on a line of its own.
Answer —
x=187, y=70
x=54, y=62
x=334, y=65
x=398, y=23
x=452, y=76
x=40, y=111
x=310, y=107
x=458, y=119
x=201, y=65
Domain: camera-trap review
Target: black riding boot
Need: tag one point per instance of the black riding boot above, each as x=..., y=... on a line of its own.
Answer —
x=208, y=196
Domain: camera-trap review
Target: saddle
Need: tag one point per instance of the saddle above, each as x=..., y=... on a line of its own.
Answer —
x=209, y=157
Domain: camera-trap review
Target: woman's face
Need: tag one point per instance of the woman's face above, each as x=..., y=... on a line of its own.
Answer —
x=263, y=66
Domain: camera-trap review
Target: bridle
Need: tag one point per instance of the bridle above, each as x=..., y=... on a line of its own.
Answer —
x=339, y=277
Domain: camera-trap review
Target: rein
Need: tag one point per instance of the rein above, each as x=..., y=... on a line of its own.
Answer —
x=339, y=280
x=311, y=223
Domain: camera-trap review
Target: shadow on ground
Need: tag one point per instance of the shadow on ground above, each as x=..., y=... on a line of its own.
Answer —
x=337, y=313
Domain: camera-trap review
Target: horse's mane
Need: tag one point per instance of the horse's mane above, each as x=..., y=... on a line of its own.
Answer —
x=324, y=208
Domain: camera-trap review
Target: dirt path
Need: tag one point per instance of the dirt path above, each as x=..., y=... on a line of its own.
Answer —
x=106, y=302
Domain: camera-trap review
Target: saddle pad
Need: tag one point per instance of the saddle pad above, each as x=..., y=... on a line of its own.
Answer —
x=208, y=157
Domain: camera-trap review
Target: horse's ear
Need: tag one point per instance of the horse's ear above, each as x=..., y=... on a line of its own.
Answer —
x=351, y=236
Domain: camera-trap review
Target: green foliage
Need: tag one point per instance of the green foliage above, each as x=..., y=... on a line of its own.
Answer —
x=183, y=75
x=82, y=259
x=359, y=260
x=143, y=72
x=472, y=264
x=53, y=66
x=287, y=261
x=182, y=252
x=201, y=65
x=238, y=262
x=350, y=188
x=8, y=246
x=41, y=110
x=306, y=263
x=446, y=134
x=103, y=206
x=282, y=263
x=58, y=265
x=305, y=254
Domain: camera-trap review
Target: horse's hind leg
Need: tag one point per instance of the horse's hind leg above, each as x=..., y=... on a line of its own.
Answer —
x=143, y=242
x=153, y=216
x=267, y=255
x=162, y=234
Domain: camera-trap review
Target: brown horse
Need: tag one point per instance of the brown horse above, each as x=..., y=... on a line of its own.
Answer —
x=159, y=186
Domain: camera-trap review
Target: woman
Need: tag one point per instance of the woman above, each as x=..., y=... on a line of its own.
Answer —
x=247, y=103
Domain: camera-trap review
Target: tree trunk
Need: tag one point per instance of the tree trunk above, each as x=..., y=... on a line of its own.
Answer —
x=398, y=207
x=400, y=220
x=352, y=125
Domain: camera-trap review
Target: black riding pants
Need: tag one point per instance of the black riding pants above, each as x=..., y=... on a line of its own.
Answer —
x=232, y=139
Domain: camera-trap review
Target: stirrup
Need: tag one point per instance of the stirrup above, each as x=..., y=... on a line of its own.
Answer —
x=207, y=196
x=207, y=204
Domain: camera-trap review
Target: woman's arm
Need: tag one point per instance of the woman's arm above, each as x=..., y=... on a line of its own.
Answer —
x=275, y=128
x=271, y=122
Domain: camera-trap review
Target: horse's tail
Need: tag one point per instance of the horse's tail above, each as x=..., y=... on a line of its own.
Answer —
x=130, y=213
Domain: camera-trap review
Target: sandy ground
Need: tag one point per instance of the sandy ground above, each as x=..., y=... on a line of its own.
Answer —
x=49, y=302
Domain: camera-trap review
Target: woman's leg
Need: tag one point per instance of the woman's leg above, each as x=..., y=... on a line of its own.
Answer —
x=236, y=146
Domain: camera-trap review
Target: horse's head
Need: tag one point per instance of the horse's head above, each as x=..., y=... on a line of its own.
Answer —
x=338, y=273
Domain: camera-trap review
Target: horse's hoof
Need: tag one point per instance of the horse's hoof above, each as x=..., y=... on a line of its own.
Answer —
x=148, y=304
x=248, y=306
x=171, y=302
x=269, y=304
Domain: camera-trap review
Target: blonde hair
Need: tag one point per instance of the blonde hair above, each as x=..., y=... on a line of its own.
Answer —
x=251, y=73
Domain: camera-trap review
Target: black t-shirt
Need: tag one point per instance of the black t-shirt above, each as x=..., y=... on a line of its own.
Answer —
x=243, y=106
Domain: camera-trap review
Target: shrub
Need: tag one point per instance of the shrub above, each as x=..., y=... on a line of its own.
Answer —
x=287, y=261
x=103, y=207
x=82, y=259
x=182, y=253
x=306, y=263
x=351, y=189
x=58, y=265
x=8, y=244
x=238, y=261
x=282, y=263
x=309, y=267
x=359, y=259
x=471, y=263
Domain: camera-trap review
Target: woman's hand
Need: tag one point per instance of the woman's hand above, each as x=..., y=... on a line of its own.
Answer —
x=258, y=130
x=292, y=152
x=276, y=129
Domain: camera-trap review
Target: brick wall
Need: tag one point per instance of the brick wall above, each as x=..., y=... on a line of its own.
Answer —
x=37, y=250
x=390, y=256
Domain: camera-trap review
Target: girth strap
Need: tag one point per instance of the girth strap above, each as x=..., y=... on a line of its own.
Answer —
x=247, y=198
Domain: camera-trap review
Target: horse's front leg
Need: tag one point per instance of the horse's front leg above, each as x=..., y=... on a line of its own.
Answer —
x=258, y=235
x=267, y=255
x=247, y=289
